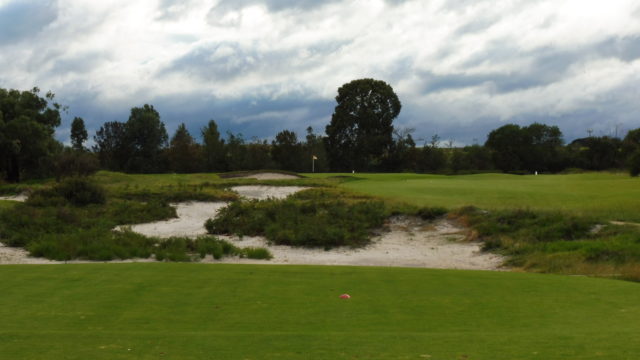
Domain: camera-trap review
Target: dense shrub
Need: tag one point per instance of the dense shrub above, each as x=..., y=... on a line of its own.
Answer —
x=75, y=163
x=320, y=223
x=81, y=192
x=49, y=226
x=555, y=242
x=430, y=213
x=75, y=191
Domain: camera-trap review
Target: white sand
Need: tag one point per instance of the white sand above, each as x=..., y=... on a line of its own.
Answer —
x=21, y=197
x=409, y=243
x=190, y=221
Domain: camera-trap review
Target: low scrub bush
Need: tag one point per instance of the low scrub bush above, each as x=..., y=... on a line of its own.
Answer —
x=81, y=192
x=257, y=253
x=311, y=223
x=430, y=213
x=76, y=191
x=554, y=242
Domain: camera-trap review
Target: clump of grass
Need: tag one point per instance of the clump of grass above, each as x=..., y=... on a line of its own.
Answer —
x=257, y=253
x=171, y=193
x=310, y=219
x=185, y=249
x=556, y=242
x=75, y=191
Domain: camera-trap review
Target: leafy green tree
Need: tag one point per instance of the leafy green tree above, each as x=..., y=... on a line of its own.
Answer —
x=74, y=163
x=360, y=134
x=185, y=155
x=631, y=151
x=633, y=163
x=213, y=148
x=147, y=137
x=432, y=158
x=541, y=150
x=258, y=156
x=531, y=148
x=78, y=134
x=479, y=157
x=404, y=155
x=287, y=152
x=506, y=144
x=111, y=145
x=27, y=127
x=235, y=151
x=315, y=153
x=596, y=153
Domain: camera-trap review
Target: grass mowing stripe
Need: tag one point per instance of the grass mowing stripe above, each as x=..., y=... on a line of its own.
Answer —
x=264, y=312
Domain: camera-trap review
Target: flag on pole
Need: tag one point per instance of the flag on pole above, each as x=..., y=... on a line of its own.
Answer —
x=315, y=157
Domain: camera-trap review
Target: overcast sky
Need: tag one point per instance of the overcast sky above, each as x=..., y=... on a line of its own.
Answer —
x=460, y=67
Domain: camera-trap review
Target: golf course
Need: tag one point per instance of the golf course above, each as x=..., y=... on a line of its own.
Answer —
x=561, y=298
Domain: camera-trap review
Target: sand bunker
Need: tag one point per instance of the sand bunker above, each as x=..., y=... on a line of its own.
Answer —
x=21, y=197
x=190, y=221
x=268, y=176
x=408, y=242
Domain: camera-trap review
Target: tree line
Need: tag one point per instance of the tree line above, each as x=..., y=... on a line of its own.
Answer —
x=360, y=137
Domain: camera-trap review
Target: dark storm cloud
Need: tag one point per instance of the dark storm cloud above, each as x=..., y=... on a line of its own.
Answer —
x=226, y=61
x=221, y=62
x=22, y=19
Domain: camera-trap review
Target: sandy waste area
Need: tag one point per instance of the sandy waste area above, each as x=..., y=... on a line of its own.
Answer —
x=405, y=241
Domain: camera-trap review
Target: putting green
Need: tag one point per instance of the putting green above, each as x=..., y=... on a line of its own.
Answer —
x=198, y=311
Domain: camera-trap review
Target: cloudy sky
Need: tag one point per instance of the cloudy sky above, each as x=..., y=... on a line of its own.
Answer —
x=460, y=67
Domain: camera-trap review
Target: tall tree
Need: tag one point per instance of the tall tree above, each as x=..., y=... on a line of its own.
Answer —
x=287, y=152
x=111, y=145
x=316, y=154
x=360, y=134
x=631, y=151
x=184, y=152
x=541, y=151
x=27, y=126
x=506, y=144
x=432, y=158
x=147, y=137
x=78, y=134
x=235, y=151
x=213, y=148
x=531, y=148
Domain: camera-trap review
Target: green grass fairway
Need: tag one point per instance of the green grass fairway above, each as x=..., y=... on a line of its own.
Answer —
x=606, y=195
x=196, y=311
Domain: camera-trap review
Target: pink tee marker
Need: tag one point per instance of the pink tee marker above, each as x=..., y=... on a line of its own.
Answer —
x=345, y=296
